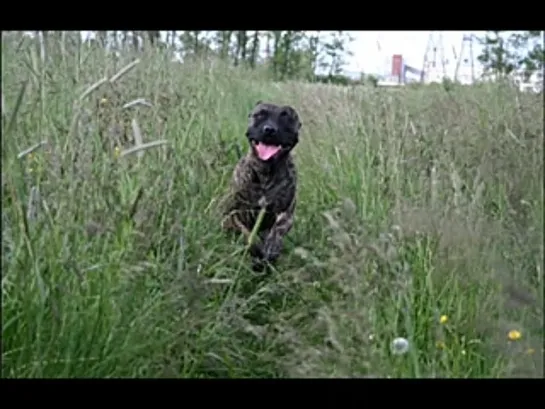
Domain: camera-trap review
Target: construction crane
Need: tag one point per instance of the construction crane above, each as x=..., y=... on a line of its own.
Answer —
x=382, y=63
x=434, y=49
x=466, y=58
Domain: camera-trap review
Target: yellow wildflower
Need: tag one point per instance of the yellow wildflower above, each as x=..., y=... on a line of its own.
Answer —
x=443, y=319
x=440, y=345
x=103, y=101
x=514, y=335
x=530, y=351
x=117, y=151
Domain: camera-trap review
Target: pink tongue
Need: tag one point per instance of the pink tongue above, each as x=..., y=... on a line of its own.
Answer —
x=265, y=152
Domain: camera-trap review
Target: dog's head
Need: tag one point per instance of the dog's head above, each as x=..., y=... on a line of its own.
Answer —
x=273, y=130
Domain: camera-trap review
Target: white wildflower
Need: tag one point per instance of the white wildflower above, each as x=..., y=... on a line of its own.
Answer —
x=400, y=346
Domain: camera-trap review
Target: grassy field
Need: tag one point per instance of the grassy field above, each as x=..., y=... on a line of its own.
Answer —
x=420, y=216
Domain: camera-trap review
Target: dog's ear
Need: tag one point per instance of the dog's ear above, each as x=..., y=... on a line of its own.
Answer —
x=256, y=104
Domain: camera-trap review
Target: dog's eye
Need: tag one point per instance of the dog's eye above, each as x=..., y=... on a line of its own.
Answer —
x=284, y=114
x=261, y=114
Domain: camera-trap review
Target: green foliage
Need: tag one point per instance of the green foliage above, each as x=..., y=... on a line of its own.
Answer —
x=369, y=79
x=288, y=54
x=336, y=52
x=335, y=79
x=413, y=204
x=504, y=54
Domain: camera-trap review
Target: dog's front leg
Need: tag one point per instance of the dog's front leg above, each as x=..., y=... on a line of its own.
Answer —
x=272, y=245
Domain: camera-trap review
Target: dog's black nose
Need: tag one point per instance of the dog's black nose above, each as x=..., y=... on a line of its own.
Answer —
x=269, y=130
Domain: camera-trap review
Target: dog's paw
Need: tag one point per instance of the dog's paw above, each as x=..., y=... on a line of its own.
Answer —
x=256, y=251
x=258, y=265
x=264, y=254
x=271, y=251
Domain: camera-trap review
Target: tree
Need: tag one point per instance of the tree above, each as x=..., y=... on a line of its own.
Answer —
x=289, y=54
x=223, y=43
x=191, y=42
x=154, y=37
x=534, y=60
x=336, y=51
x=255, y=49
x=241, y=46
x=505, y=53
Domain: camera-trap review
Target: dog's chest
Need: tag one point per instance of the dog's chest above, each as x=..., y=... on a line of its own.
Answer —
x=275, y=191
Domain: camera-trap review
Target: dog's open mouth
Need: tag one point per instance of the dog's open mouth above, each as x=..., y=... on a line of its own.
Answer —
x=266, y=152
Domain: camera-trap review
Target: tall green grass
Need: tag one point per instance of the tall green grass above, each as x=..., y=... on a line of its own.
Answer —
x=413, y=204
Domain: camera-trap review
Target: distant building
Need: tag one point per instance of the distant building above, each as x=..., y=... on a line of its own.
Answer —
x=398, y=72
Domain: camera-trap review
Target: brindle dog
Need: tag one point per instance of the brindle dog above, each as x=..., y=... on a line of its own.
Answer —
x=266, y=177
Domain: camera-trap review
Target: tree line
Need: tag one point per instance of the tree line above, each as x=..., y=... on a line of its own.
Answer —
x=310, y=56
